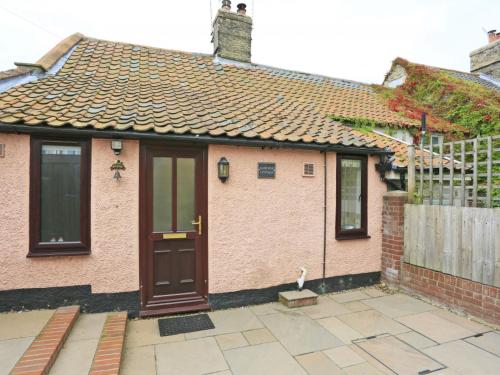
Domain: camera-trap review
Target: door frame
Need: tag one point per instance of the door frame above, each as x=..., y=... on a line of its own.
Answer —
x=145, y=147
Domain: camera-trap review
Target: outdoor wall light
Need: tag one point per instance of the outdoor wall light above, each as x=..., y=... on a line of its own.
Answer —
x=223, y=169
x=385, y=165
x=116, y=146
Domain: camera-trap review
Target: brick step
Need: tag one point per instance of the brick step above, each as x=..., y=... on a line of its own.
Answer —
x=108, y=356
x=76, y=356
x=43, y=351
x=295, y=298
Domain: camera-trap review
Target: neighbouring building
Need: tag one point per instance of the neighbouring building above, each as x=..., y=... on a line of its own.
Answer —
x=485, y=61
x=161, y=181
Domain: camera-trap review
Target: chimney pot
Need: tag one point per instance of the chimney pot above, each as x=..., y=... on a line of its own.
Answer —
x=242, y=9
x=492, y=36
x=226, y=5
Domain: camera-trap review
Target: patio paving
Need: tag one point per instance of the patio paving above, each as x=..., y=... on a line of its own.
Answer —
x=390, y=331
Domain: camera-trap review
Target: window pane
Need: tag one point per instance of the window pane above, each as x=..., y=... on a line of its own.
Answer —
x=60, y=193
x=162, y=194
x=185, y=194
x=351, y=194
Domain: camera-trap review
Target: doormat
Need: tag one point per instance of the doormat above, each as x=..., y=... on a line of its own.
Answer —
x=184, y=324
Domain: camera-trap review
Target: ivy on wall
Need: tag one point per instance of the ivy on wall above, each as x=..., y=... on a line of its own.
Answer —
x=455, y=106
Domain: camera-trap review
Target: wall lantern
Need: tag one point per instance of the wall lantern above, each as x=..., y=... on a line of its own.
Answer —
x=116, y=146
x=223, y=169
x=385, y=165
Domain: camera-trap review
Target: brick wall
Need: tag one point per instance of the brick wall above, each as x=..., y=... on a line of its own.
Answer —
x=482, y=301
x=392, y=236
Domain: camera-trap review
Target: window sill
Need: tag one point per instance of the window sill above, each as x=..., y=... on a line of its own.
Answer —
x=341, y=237
x=56, y=253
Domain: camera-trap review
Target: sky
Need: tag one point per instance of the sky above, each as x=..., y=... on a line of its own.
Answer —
x=355, y=39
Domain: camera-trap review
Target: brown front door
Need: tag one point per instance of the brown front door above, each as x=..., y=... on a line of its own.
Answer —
x=173, y=262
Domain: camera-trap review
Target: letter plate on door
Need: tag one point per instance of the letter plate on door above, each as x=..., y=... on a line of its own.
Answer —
x=169, y=236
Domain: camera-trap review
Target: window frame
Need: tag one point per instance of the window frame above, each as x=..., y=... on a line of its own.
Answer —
x=43, y=249
x=359, y=232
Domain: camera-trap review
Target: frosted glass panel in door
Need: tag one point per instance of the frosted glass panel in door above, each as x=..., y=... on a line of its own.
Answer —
x=185, y=193
x=162, y=194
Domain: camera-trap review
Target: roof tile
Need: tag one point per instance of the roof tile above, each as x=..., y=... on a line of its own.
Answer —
x=106, y=85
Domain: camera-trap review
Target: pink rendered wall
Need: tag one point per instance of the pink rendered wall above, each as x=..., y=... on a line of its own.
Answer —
x=262, y=230
x=113, y=264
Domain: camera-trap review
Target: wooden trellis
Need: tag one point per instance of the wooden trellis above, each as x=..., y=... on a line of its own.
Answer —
x=462, y=173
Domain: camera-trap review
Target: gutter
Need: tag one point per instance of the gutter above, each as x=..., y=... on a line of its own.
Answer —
x=199, y=139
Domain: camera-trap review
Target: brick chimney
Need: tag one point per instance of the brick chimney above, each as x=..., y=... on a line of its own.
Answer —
x=232, y=33
x=493, y=35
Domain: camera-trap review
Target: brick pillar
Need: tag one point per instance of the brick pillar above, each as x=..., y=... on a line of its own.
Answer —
x=392, y=236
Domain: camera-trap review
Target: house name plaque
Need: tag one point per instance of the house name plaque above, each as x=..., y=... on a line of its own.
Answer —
x=266, y=170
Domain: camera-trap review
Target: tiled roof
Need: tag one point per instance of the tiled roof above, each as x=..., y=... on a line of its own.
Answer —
x=13, y=73
x=473, y=77
x=484, y=80
x=399, y=148
x=46, y=62
x=117, y=86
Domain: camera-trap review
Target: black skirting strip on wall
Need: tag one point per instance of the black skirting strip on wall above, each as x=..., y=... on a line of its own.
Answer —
x=265, y=295
x=51, y=298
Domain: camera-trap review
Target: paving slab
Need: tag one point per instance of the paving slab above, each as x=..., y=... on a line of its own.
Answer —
x=268, y=308
x=139, y=360
x=225, y=372
x=145, y=332
x=231, y=341
x=465, y=358
x=446, y=371
x=88, y=326
x=299, y=334
x=371, y=360
x=318, y=363
x=372, y=322
x=399, y=356
x=11, y=351
x=344, y=356
x=416, y=340
x=340, y=329
x=269, y=358
x=355, y=295
x=462, y=321
x=356, y=306
x=23, y=324
x=229, y=321
x=259, y=336
x=398, y=305
x=489, y=341
x=435, y=327
x=374, y=292
x=362, y=369
x=326, y=307
x=75, y=358
x=192, y=357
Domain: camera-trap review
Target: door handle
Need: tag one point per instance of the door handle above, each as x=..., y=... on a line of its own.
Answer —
x=199, y=223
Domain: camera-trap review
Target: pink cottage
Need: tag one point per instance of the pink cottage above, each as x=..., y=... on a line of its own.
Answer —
x=157, y=181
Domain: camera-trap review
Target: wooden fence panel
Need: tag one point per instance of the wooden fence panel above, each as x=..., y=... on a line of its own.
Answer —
x=460, y=241
x=466, y=250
